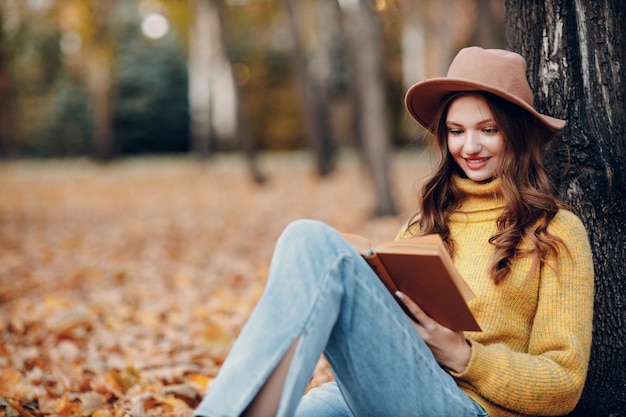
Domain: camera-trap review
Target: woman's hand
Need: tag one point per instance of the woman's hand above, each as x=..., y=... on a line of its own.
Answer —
x=449, y=347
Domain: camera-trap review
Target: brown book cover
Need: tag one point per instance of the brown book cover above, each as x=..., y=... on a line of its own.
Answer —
x=421, y=268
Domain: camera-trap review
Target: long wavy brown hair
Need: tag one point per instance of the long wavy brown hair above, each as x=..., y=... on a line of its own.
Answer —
x=530, y=204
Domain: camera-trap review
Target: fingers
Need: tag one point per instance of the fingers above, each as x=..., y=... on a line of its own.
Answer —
x=449, y=347
x=422, y=318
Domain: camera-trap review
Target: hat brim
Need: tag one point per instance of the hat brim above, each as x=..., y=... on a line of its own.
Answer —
x=422, y=100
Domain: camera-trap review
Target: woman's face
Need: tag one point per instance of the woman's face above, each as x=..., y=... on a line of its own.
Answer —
x=474, y=140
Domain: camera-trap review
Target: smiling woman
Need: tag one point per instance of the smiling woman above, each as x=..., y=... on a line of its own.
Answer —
x=474, y=140
x=526, y=258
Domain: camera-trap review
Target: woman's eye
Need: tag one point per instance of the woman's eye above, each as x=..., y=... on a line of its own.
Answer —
x=455, y=131
x=491, y=130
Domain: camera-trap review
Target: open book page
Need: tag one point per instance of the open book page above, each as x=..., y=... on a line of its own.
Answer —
x=365, y=248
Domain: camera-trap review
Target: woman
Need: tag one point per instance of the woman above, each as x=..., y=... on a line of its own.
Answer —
x=527, y=260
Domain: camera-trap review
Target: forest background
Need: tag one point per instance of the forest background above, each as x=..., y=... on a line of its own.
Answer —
x=57, y=54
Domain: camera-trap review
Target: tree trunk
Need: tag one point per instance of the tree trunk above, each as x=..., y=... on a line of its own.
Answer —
x=488, y=26
x=314, y=110
x=576, y=52
x=242, y=130
x=413, y=42
x=100, y=85
x=99, y=76
x=203, y=38
x=8, y=145
x=327, y=68
x=369, y=91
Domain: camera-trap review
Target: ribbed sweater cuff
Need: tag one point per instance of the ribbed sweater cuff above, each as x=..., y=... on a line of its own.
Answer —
x=474, y=371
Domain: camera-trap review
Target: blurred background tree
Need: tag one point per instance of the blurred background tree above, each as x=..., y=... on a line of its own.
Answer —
x=128, y=77
x=86, y=77
x=29, y=66
x=151, y=112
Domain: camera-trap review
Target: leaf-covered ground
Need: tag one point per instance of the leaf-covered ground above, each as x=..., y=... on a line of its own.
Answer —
x=123, y=286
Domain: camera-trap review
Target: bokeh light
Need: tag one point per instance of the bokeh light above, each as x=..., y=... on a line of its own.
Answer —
x=155, y=26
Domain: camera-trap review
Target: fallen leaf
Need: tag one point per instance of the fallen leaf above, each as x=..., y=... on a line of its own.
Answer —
x=8, y=378
x=91, y=402
x=124, y=286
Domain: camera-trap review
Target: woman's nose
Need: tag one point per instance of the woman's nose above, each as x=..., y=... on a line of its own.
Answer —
x=472, y=143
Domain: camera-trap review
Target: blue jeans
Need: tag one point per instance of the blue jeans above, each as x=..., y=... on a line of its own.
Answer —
x=319, y=288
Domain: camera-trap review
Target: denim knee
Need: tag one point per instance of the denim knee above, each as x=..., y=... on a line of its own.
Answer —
x=307, y=236
x=300, y=228
x=322, y=401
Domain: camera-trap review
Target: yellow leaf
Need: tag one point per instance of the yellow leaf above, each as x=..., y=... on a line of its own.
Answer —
x=199, y=379
x=216, y=334
x=171, y=402
x=125, y=378
x=8, y=379
x=65, y=407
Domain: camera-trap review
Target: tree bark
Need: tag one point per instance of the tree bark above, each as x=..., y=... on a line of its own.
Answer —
x=314, y=110
x=99, y=76
x=413, y=41
x=328, y=68
x=369, y=91
x=487, y=31
x=7, y=143
x=576, y=52
x=100, y=84
x=203, y=38
x=242, y=130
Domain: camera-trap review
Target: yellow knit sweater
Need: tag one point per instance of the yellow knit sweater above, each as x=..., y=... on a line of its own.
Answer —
x=531, y=357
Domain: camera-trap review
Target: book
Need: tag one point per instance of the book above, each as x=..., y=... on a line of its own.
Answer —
x=421, y=268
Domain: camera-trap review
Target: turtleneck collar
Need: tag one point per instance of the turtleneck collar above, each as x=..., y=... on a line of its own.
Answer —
x=480, y=200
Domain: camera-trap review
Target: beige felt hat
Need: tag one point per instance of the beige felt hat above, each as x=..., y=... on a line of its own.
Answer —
x=497, y=71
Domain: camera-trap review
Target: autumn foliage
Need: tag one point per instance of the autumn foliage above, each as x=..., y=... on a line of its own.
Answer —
x=123, y=286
